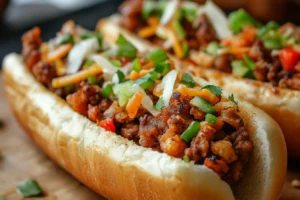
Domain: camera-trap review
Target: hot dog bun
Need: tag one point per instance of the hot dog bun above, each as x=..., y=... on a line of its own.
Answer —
x=118, y=168
x=281, y=104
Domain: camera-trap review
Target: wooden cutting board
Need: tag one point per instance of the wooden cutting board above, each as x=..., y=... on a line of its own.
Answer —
x=20, y=159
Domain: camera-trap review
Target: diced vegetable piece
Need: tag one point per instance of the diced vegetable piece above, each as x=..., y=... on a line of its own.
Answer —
x=239, y=68
x=274, y=43
x=158, y=56
x=186, y=159
x=203, y=105
x=126, y=49
x=68, y=38
x=190, y=132
x=116, y=63
x=231, y=98
x=187, y=80
x=69, y=88
x=210, y=118
x=107, y=90
x=121, y=76
x=148, y=81
x=239, y=19
x=88, y=63
x=97, y=35
x=159, y=104
x=186, y=50
x=29, y=188
x=212, y=48
x=145, y=82
x=189, y=13
x=107, y=124
x=152, y=8
x=289, y=58
x=134, y=103
x=203, y=93
x=250, y=63
x=213, y=89
x=123, y=92
x=179, y=30
x=136, y=65
x=268, y=27
x=162, y=68
x=169, y=12
x=92, y=80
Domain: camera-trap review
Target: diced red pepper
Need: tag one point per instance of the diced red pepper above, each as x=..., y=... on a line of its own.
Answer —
x=289, y=59
x=107, y=124
x=124, y=61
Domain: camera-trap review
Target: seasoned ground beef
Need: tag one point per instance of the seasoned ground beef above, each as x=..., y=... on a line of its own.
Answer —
x=205, y=31
x=31, y=42
x=44, y=72
x=223, y=63
x=130, y=131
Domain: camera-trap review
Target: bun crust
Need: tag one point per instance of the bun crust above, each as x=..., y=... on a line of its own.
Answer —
x=118, y=168
x=283, y=105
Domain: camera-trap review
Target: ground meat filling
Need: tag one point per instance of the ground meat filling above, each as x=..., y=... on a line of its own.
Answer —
x=224, y=147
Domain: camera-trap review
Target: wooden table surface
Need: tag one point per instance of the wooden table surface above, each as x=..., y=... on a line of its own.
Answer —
x=20, y=159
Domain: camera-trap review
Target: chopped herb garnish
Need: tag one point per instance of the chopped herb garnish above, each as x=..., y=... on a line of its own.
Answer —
x=214, y=89
x=159, y=104
x=123, y=92
x=213, y=48
x=158, y=56
x=186, y=159
x=107, y=90
x=67, y=39
x=250, y=63
x=231, y=98
x=29, y=188
x=126, y=49
x=187, y=80
x=136, y=66
x=267, y=28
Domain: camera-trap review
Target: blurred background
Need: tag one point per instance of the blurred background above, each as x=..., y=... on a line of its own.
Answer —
x=17, y=16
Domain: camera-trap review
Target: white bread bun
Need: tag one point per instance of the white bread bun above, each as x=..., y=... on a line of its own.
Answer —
x=119, y=169
x=281, y=104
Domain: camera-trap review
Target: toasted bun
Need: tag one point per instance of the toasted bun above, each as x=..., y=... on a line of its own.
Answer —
x=118, y=168
x=281, y=104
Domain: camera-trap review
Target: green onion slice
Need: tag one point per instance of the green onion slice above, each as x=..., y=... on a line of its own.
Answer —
x=191, y=131
x=29, y=188
x=158, y=56
x=159, y=104
x=186, y=159
x=214, y=89
x=136, y=66
x=107, y=90
x=67, y=39
x=125, y=48
x=210, y=118
x=203, y=105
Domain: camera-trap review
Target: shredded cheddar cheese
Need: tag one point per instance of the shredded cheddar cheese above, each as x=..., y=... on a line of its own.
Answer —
x=134, y=103
x=58, y=53
x=75, y=78
x=204, y=93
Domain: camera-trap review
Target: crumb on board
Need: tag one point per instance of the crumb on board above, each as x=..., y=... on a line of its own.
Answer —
x=296, y=183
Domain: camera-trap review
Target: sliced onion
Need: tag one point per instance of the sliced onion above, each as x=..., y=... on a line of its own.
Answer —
x=169, y=12
x=108, y=69
x=218, y=19
x=147, y=102
x=79, y=52
x=168, y=83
